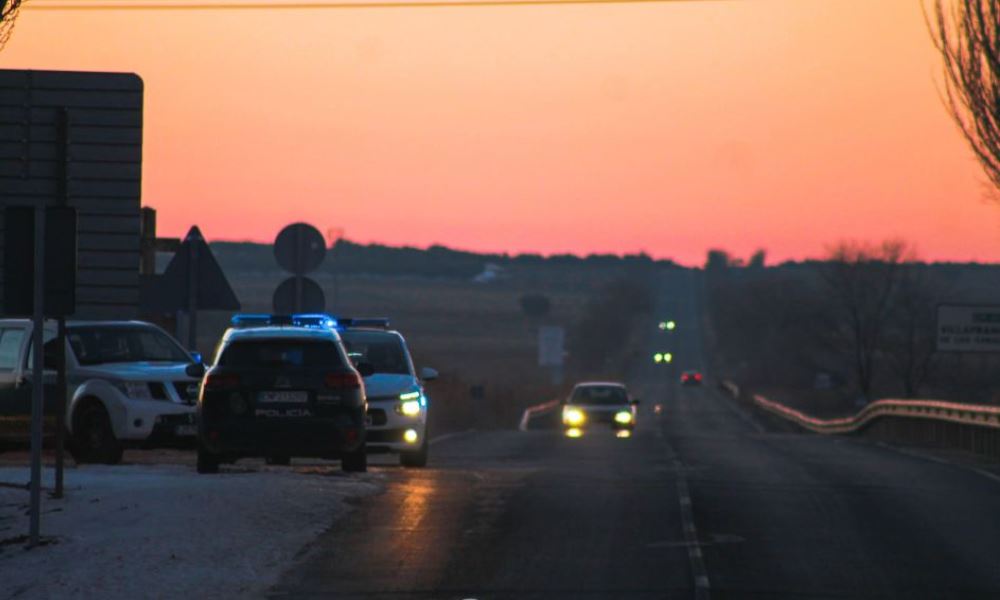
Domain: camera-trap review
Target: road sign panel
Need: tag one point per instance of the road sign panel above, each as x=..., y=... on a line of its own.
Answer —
x=75, y=139
x=310, y=295
x=299, y=248
x=968, y=328
x=551, y=341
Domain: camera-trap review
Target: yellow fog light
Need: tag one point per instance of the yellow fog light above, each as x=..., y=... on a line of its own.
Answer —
x=573, y=417
x=574, y=432
x=623, y=417
x=623, y=433
x=410, y=436
x=410, y=408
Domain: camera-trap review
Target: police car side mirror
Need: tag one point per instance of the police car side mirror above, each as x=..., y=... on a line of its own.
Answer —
x=366, y=369
x=428, y=374
x=196, y=370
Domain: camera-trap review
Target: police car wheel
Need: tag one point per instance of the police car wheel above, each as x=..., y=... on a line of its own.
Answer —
x=207, y=462
x=281, y=461
x=416, y=458
x=355, y=462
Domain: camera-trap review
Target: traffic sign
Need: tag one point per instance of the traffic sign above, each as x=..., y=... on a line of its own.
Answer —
x=968, y=328
x=299, y=248
x=298, y=294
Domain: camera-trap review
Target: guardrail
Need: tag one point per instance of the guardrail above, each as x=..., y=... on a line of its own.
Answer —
x=536, y=410
x=972, y=427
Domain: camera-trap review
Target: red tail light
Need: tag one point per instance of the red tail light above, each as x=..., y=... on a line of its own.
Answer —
x=349, y=380
x=221, y=381
x=698, y=376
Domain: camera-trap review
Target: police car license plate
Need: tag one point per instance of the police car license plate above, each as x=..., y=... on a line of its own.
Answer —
x=282, y=397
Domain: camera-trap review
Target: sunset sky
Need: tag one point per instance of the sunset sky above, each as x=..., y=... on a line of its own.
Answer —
x=665, y=128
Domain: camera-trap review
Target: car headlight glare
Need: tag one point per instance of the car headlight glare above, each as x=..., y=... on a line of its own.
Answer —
x=573, y=417
x=410, y=408
x=410, y=436
x=623, y=417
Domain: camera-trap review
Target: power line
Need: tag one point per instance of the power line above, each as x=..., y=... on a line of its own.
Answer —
x=157, y=5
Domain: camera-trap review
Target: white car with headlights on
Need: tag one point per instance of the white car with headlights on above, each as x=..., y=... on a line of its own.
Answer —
x=599, y=403
x=397, y=401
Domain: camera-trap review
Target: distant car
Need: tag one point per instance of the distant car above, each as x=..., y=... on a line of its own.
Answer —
x=691, y=378
x=397, y=402
x=282, y=387
x=128, y=386
x=599, y=403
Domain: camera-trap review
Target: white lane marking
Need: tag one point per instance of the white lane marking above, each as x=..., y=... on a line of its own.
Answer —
x=695, y=556
x=448, y=436
x=941, y=461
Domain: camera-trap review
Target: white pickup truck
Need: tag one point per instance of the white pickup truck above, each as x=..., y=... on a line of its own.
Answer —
x=129, y=382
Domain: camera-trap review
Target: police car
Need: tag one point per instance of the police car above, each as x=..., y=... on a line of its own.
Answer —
x=282, y=387
x=599, y=403
x=397, y=401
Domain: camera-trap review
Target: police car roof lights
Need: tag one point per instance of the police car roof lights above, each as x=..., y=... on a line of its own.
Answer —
x=297, y=320
x=374, y=322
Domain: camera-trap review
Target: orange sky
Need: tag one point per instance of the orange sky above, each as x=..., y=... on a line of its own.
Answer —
x=671, y=128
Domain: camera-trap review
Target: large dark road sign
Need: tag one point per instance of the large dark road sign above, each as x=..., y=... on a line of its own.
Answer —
x=75, y=139
x=299, y=248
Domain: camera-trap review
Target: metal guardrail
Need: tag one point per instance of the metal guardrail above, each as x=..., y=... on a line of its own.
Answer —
x=972, y=427
x=536, y=410
x=952, y=412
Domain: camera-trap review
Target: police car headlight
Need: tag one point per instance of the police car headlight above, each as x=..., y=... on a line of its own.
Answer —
x=623, y=417
x=410, y=408
x=135, y=390
x=573, y=417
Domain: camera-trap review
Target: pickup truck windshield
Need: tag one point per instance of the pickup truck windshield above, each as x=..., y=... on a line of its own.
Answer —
x=94, y=345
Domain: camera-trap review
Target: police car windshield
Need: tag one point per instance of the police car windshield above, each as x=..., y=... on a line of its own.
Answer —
x=382, y=350
x=100, y=345
x=281, y=353
x=599, y=395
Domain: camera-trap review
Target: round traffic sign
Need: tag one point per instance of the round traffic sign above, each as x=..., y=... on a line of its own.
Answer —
x=299, y=248
x=298, y=294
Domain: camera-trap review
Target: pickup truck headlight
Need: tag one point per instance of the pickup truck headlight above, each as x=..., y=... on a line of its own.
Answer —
x=135, y=390
x=623, y=417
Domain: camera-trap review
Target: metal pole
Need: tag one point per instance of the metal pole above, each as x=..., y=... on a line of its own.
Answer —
x=298, y=267
x=61, y=385
x=193, y=296
x=62, y=390
x=37, y=374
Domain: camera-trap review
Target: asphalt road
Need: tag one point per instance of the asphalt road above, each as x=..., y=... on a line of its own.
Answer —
x=701, y=502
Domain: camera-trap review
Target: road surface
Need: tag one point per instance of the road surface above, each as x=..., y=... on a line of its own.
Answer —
x=702, y=502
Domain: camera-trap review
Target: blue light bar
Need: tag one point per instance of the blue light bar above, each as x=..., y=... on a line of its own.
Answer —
x=297, y=320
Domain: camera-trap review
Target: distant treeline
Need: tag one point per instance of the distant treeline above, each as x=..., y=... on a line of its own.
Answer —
x=347, y=257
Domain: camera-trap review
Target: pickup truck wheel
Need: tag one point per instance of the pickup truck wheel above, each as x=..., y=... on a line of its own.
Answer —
x=207, y=461
x=355, y=462
x=94, y=440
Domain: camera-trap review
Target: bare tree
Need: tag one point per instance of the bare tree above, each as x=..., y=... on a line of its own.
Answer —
x=967, y=32
x=910, y=348
x=862, y=281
